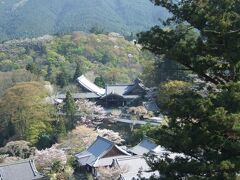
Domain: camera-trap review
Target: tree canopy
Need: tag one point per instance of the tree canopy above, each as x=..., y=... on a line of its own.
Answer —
x=204, y=38
x=23, y=112
x=62, y=59
x=99, y=81
x=69, y=108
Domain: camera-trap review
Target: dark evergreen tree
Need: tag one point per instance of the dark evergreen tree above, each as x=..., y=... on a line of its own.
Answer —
x=99, y=81
x=205, y=127
x=60, y=130
x=10, y=129
x=33, y=69
x=105, y=59
x=70, y=109
x=165, y=70
x=45, y=141
x=62, y=78
x=77, y=72
x=49, y=73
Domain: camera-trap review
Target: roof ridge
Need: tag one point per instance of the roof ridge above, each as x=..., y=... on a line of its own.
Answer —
x=129, y=157
x=105, y=139
x=112, y=145
x=148, y=139
x=34, y=169
x=120, y=85
x=16, y=162
x=122, y=150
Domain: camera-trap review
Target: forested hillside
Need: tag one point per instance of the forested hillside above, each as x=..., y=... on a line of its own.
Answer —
x=60, y=59
x=31, y=18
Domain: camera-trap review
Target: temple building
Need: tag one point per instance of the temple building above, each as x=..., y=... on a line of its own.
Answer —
x=114, y=95
x=110, y=96
x=104, y=153
x=100, y=154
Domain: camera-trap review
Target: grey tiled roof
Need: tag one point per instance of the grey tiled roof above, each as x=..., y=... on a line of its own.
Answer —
x=134, y=86
x=148, y=146
x=84, y=158
x=95, y=92
x=97, y=150
x=107, y=161
x=123, y=90
x=151, y=106
x=144, y=147
x=89, y=95
x=100, y=146
x=120, y=90
x=21, y=170
x=131, y=167
x=117, y=89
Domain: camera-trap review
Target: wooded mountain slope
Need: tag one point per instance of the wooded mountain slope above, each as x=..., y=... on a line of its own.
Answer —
x=109, y=56
x=31, y=18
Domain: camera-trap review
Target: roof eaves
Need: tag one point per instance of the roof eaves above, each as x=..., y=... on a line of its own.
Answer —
x=87, y=155
x=122, y=150
x=34, y=169
x=130, y=157
x=15, y=163
x=94, y=162
x=36, y=174
x=90, y=86
x=112, y=93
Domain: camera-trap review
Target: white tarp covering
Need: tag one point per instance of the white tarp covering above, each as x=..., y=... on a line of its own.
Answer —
x=91, y=86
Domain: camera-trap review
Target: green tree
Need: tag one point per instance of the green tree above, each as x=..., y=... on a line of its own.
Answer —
x=45, y=141
x=20, y=149
x=99, y=81
x=60, y=129
x=205, y=126
x=62, y=78
x=49, y=73
x=169, y=89
x=69, y=108
x=162, y=70
x=77, y=73
x=33, y=69
x=9, y=79
x=23, y=112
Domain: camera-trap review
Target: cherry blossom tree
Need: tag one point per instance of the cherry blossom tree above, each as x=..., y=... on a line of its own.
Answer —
x=78, y=139
x=21, y=149
x=46, y=159
x=90, y=113
x=111, y=173
x=111, y=135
